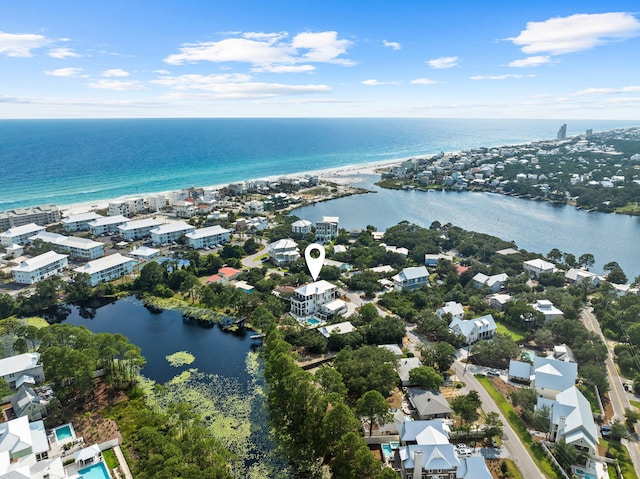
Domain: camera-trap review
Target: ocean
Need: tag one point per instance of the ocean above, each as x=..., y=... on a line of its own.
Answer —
x=65, y=162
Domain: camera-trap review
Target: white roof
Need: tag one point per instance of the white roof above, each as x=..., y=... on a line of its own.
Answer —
x=109, y=220
x=553, y=374
x=317, y=287
x=452, y=307
x=81, y=217
x=340, y=328
x=144, y=251
x=301, y=224
x=286, y=243
x=132, y=225
x=205, y=232
x=86, y=453
x=39, y=261
x=330, y=219
x=22, y=230
x=481, y=324
x=520, y=369
x=335, y=305
x=66, y=241
x=172, y=227
x=540, y=264
x=406, y=365
x=414, y=272
x=19, y=363
x=101, y=264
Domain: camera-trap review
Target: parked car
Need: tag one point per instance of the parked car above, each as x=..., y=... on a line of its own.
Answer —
x=494, y=373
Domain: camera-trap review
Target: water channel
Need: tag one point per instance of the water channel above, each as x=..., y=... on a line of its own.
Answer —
x=536, y=226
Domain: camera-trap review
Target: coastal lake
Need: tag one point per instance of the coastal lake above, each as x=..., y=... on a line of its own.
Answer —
x=224, y=383
x=535, y=226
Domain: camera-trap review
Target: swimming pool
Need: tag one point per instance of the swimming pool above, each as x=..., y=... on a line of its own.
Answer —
x=584, y=475
x=313, y=321
x=388, y=448
x=95, y=471
x=528, y=356
x=64, y=433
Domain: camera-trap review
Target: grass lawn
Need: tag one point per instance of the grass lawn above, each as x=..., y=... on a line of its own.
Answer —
x=515, y=333
x=519, y=427
x=635, y=404
x=624, y=459
x=110, y=458
x=629, y=209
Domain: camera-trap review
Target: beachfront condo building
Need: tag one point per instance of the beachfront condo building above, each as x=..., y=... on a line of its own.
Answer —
x=126, y=207
x=20, y=234
x=207, y=237
x=156, y=202
x=41, y=267
x=108, y=268
x=79, y=222
x=41, y=215
x=165, y=234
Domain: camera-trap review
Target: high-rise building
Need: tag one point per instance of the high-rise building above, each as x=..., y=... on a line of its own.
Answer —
x=562, y=132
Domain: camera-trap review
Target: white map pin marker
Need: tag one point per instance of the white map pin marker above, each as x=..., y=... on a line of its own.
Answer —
x=314, y=264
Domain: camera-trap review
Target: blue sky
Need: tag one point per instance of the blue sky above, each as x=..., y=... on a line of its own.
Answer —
x=345, y=58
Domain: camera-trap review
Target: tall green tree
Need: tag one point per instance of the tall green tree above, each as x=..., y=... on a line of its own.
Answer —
x=374, y=408
x=426, y=377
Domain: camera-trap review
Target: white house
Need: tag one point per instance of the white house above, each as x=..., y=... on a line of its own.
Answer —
x=411, y=278
x=451, y=307
x=433, y=259
x=495, y=283
x=284, y=251
x=582, y=276
x=206, y=237
x=20, y=234
x=79, y=222
x=499, y=301
x=23, y=447
x=82, y=248
x=169, y=232
x=571, y=420
x=301, y=227
x=108, y=268
x=476, y=329
x=308, y=300
x=338, y=328
x=22, y=369
x=41, y=267
x=327, y=229
x=106, y=225
x=138, y=229
x=536, y=267
x=547, y=308
x=551, y=376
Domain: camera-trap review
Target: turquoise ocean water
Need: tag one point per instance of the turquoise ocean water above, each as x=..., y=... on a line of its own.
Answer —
x=75, y=161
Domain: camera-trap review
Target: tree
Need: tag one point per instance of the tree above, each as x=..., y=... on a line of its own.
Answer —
x=251, y=246
x=331, y=381
x=354, y=459
x=493, y=425
x=555, y=255
x=466, y=406
x=374, y=408
x=618, y=431
x=586, y=260
x=151, y=275
x=617, y=276
x=595, y=375
x=566, y=454
x=445, y=356
x=426, y=377
x=495, y=351
x=337, y=421
x=79, y=289
x=631, y=417
x=367, y=368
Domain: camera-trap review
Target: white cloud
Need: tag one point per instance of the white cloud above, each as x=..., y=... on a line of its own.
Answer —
x=115, y=72
x=531, y=61
x=162, y=72
x=443, y=62
x=230, y=85
x=63, y=53
x=423, y=81
x=117, y=85
x=607, y=91
x=624, y=101
x=499, y=77
x=283, y=68
x=393, y=45
x=576, y=33
x=374, y=82
x=21, y=44
x=64, y=72
x=267, y=50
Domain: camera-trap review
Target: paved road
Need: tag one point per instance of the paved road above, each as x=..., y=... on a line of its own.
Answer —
x=252, y=261
x=618, y=395
x=511, y=441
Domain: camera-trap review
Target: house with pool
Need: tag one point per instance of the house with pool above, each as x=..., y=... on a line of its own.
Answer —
x=29, y=451
x=317, y=302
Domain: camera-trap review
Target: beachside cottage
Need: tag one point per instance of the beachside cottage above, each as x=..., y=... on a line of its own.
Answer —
x=495, y=283
x=456, y=310
x=536, y=267
x=283, y=251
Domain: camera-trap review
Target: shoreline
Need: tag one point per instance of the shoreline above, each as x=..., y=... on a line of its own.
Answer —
x=343, y=175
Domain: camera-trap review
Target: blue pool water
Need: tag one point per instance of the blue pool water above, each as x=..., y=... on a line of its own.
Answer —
x=63, y=433
x=95, y=471
x=387, y=451
x=313, y=321
x=528, y=356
